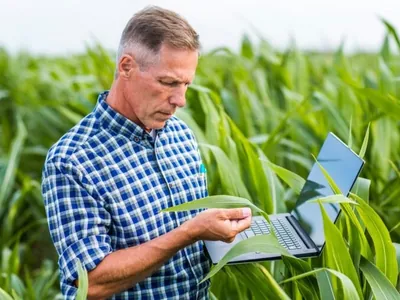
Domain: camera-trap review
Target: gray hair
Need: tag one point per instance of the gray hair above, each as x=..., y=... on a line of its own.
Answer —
x=149, y=28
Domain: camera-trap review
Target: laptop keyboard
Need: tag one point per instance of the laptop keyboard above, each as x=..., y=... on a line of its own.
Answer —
x=282, y=232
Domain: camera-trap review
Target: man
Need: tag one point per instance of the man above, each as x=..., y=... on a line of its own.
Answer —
x=106, y=180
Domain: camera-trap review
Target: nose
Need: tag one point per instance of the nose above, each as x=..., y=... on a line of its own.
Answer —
x=178, y=97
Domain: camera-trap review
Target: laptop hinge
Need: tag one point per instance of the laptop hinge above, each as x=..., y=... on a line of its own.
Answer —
x=302, y=234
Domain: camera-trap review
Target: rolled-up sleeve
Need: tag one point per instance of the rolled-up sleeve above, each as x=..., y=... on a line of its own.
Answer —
x=78, y=221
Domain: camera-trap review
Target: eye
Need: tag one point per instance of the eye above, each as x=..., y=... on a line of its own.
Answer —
x=170, y=84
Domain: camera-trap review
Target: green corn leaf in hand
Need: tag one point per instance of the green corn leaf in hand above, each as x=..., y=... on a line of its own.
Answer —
x=219, y=201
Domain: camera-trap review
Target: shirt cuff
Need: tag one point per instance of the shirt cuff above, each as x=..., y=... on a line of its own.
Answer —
x=90, y=251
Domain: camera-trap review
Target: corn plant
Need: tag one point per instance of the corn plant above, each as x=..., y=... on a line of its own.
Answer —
x=351, y=268
x=257, y=114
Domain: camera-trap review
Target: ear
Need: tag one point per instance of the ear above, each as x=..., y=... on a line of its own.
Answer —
x=126, y=66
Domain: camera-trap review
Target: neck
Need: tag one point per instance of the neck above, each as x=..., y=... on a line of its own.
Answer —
x=117, y=100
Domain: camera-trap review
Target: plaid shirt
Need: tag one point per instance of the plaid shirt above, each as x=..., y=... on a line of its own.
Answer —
x=104, y=184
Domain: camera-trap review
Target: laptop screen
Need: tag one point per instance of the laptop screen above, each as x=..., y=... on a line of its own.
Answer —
x=343, y=165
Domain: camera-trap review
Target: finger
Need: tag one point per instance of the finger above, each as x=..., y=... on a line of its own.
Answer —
x=230, y=240
x=243, y=224
x=234, y=225
x=238, y=213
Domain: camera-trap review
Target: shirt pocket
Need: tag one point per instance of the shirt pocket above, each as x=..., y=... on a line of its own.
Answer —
x=200, y=181
x=189, y=188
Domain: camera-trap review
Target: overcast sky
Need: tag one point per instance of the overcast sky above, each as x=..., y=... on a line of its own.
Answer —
x=62, y=26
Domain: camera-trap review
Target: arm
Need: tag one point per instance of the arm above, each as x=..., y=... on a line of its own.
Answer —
x=122, y=269
x=79, y=226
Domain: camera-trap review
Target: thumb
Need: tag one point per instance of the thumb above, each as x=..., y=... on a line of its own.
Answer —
x=238, y=213
x=243, y=224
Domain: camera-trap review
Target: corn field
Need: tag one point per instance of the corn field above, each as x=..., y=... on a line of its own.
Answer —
x=254, y=112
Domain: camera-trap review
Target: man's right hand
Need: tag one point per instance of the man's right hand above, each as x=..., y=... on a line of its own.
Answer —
x=218, y=224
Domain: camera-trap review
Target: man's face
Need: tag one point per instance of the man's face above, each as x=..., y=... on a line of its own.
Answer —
x=154, y=94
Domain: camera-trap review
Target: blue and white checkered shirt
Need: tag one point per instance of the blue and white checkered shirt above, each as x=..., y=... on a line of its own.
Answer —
x=104, y=184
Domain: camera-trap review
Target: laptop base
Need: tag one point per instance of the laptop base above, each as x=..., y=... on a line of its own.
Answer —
x=217, y=249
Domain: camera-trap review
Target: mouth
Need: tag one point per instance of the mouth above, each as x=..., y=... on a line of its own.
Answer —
x=169, y=114
x=164, y=116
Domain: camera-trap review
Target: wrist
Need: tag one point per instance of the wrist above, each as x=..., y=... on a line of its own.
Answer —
x=190, y=231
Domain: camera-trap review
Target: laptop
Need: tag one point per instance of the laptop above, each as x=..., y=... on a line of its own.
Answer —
x=301, y=231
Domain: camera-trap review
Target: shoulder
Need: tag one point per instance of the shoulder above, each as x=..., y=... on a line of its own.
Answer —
x=71, y=142
x=182, y=133
x=180, y=127
x=177, y=124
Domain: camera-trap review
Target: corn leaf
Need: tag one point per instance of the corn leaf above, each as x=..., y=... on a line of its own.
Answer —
x=261, y=243
x=384, y=250
x=380, y=285
x=7, y=182
x=212, y=296
x=277, y=292
x=293, y=180
x=229, y=174
x=325, y=286
x=395, y=227
x=337, y=198
x=4, y=295
x=365, y=143
x=394, y=168
x=385, y=49
x=356, y=226
x=356, y=236
x=259, y=179
x=350, y=140
x=308, y=286
x=244, y=283
x=218, y=201
x=361, y=188
x=275, y=188
x=252, y=276
x=185, y=116
x=397, y=246
x=83, y=282
x=15, y=295
x=388, y=105
x=336, y=252
x=331, y=182
x=392, y=31
x=349, y=290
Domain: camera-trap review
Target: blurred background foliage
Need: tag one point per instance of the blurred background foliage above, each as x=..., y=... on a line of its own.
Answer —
x=257, y=102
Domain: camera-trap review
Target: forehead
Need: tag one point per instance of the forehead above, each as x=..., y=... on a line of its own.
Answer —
x=177, y=63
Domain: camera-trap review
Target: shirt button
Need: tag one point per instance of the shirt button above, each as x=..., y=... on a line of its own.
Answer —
x=136, y=139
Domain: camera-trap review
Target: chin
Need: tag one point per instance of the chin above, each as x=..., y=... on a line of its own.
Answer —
x=157, y=124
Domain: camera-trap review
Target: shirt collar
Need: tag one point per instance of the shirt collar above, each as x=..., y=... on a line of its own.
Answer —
x=111, y=119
